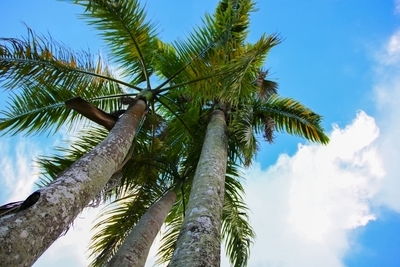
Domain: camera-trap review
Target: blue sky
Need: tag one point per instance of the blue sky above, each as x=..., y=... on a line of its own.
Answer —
x=337, y=205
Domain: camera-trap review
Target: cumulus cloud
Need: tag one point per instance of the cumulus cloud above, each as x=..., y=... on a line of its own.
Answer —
x=304, y=205
x=387, y=95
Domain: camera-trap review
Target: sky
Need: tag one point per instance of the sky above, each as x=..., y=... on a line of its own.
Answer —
x=310, y=205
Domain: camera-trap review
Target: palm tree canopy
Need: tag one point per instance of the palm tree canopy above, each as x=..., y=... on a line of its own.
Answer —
x=39, y=66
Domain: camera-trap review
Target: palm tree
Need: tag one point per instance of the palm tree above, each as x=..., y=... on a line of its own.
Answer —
x=51, y=78
x=236, y=108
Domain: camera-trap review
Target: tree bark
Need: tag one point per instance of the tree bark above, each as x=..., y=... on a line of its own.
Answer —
x=199, y=240
x=25, y=235
x=136, y=247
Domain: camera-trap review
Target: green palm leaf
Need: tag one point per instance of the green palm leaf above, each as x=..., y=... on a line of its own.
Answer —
x=236, y=230
x=216, y=51
x=226, y=30
x=244, y=69
x=41, y=108
x=290, y=116
x=243, y=143
x=265, y=116
x=207, y=49
x=233, y=18
x=41, y=60
x=49, y=75
x=124, y=27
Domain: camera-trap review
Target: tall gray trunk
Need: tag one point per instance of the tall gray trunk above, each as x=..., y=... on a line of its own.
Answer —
x=136, y=247
x=199, y=240
x=25, y=235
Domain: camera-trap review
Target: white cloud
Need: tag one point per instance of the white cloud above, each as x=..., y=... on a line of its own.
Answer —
x=389, y=54
x=397, y=6
x=393, y=46
x=303, y=206
x=387, y=95
x=17, y=169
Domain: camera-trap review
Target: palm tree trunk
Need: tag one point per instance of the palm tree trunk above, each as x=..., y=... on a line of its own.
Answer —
x=136, y=247
x=199, y=240
x=25, y=235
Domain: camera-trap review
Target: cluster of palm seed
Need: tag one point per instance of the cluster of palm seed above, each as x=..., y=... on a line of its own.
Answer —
x=164, y=139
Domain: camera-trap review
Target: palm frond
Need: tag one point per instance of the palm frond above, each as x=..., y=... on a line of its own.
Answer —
x=48, y=75
x=40, y=59
x=226, y=79
x=244, y=70
x=131, y=38
x=236, y=230
x=290, y=116
x=41, y=108
x=36, y=110
x=233, y=18
x=225, y=30
x=179, y=75
x=201, y=56
x=242, y=137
